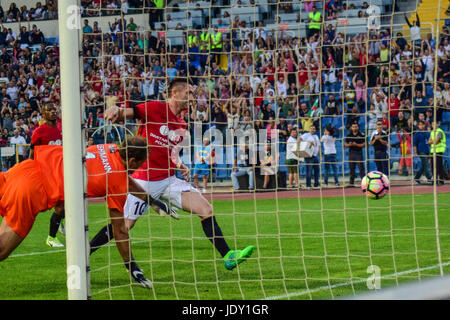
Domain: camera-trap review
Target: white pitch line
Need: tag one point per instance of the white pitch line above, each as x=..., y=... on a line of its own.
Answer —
x=55, y=251
x=35, y=253
x=347, y=283
x=303, y=236
x=292, y=294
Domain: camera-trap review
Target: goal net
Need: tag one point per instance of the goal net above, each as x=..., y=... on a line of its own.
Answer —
x=362, y=84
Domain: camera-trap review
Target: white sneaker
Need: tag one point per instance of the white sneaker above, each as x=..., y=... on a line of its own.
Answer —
x=54, y=242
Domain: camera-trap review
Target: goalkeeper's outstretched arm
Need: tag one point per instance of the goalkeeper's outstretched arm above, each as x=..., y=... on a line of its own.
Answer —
x=121, y=234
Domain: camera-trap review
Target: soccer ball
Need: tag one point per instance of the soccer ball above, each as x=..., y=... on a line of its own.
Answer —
x=375, y=185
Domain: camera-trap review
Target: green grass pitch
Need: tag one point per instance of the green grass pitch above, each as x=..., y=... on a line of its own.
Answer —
x=307, y=248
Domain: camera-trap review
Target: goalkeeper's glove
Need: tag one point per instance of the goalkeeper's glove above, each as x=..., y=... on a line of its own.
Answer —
x=163, y=209
x=138, y=275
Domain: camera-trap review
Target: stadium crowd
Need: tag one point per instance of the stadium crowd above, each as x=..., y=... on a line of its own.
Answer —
x=243, y=77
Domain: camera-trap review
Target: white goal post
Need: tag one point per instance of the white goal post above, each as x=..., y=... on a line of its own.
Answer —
x=73, y=142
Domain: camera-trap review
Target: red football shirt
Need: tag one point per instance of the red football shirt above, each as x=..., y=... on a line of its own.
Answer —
x=394, y=106
x=97, y=84
x=45, y=134
x=163, y=131
x=302, y=76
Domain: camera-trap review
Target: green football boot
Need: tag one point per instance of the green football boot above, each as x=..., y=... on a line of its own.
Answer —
x=235, y=257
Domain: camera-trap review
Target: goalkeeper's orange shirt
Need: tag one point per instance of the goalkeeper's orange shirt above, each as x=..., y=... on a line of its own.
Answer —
x=33, y=186
x=107, y=175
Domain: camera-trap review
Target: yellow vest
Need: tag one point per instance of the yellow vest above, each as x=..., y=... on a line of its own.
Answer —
x=216, y=39
x=315, y=17
x=192, y=40
x=204, y=40
x=440, y=147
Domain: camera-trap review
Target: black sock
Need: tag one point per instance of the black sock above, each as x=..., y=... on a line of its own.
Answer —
x=101, y=238
x=214, y=234
x=55, y=221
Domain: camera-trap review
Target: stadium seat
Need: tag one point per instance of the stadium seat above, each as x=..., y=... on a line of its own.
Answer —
x=446, y=117
x=325, y=121
x=394, y=139
x=221, y=171
x=337, y=122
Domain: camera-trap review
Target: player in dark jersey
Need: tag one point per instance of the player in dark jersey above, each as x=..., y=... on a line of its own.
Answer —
x=164, y=128
x=49, y=133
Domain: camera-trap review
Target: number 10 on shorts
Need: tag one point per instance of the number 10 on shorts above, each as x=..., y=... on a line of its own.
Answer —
x=139, y=208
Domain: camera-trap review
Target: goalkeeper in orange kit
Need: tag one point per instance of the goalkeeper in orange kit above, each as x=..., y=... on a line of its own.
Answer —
x=33, y=186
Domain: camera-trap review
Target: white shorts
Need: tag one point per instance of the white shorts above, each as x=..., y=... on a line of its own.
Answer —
x=169, y=190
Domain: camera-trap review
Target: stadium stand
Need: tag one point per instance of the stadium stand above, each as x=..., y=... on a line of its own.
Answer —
x=282, y=29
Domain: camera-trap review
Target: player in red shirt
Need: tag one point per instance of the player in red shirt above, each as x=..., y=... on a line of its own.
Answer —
x=49, y=133
x=163, y=126
x=33, y=186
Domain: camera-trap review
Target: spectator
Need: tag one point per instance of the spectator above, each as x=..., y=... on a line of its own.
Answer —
x=219, y=119
x=292, y=160
x=36, y=36
x=415, y=32
x=330, y=158
x=332, y=106
x=379, y=100
x=7, y=121
x=360, y=90
x=28, y=71
x=429, y=116
x=282, y=128
x=437, y=142
x=405, y=152
x=372, y=120
x=244, y=164
x=394, y=106
x=427, y=63
x=87, y=28
x=355, y=141
x=269, y=164
x=427, y=125
x=312, y=163
x=420, y=102
x=401, y=122
x=203, y=160
x=401, y=41
x=379, y=141
x=422, y=151
x=352, y=117
x=18, y=142
x=315, y=22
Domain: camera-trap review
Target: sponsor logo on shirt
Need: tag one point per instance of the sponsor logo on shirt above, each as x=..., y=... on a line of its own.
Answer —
x=164, y=130
x=55, y=143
